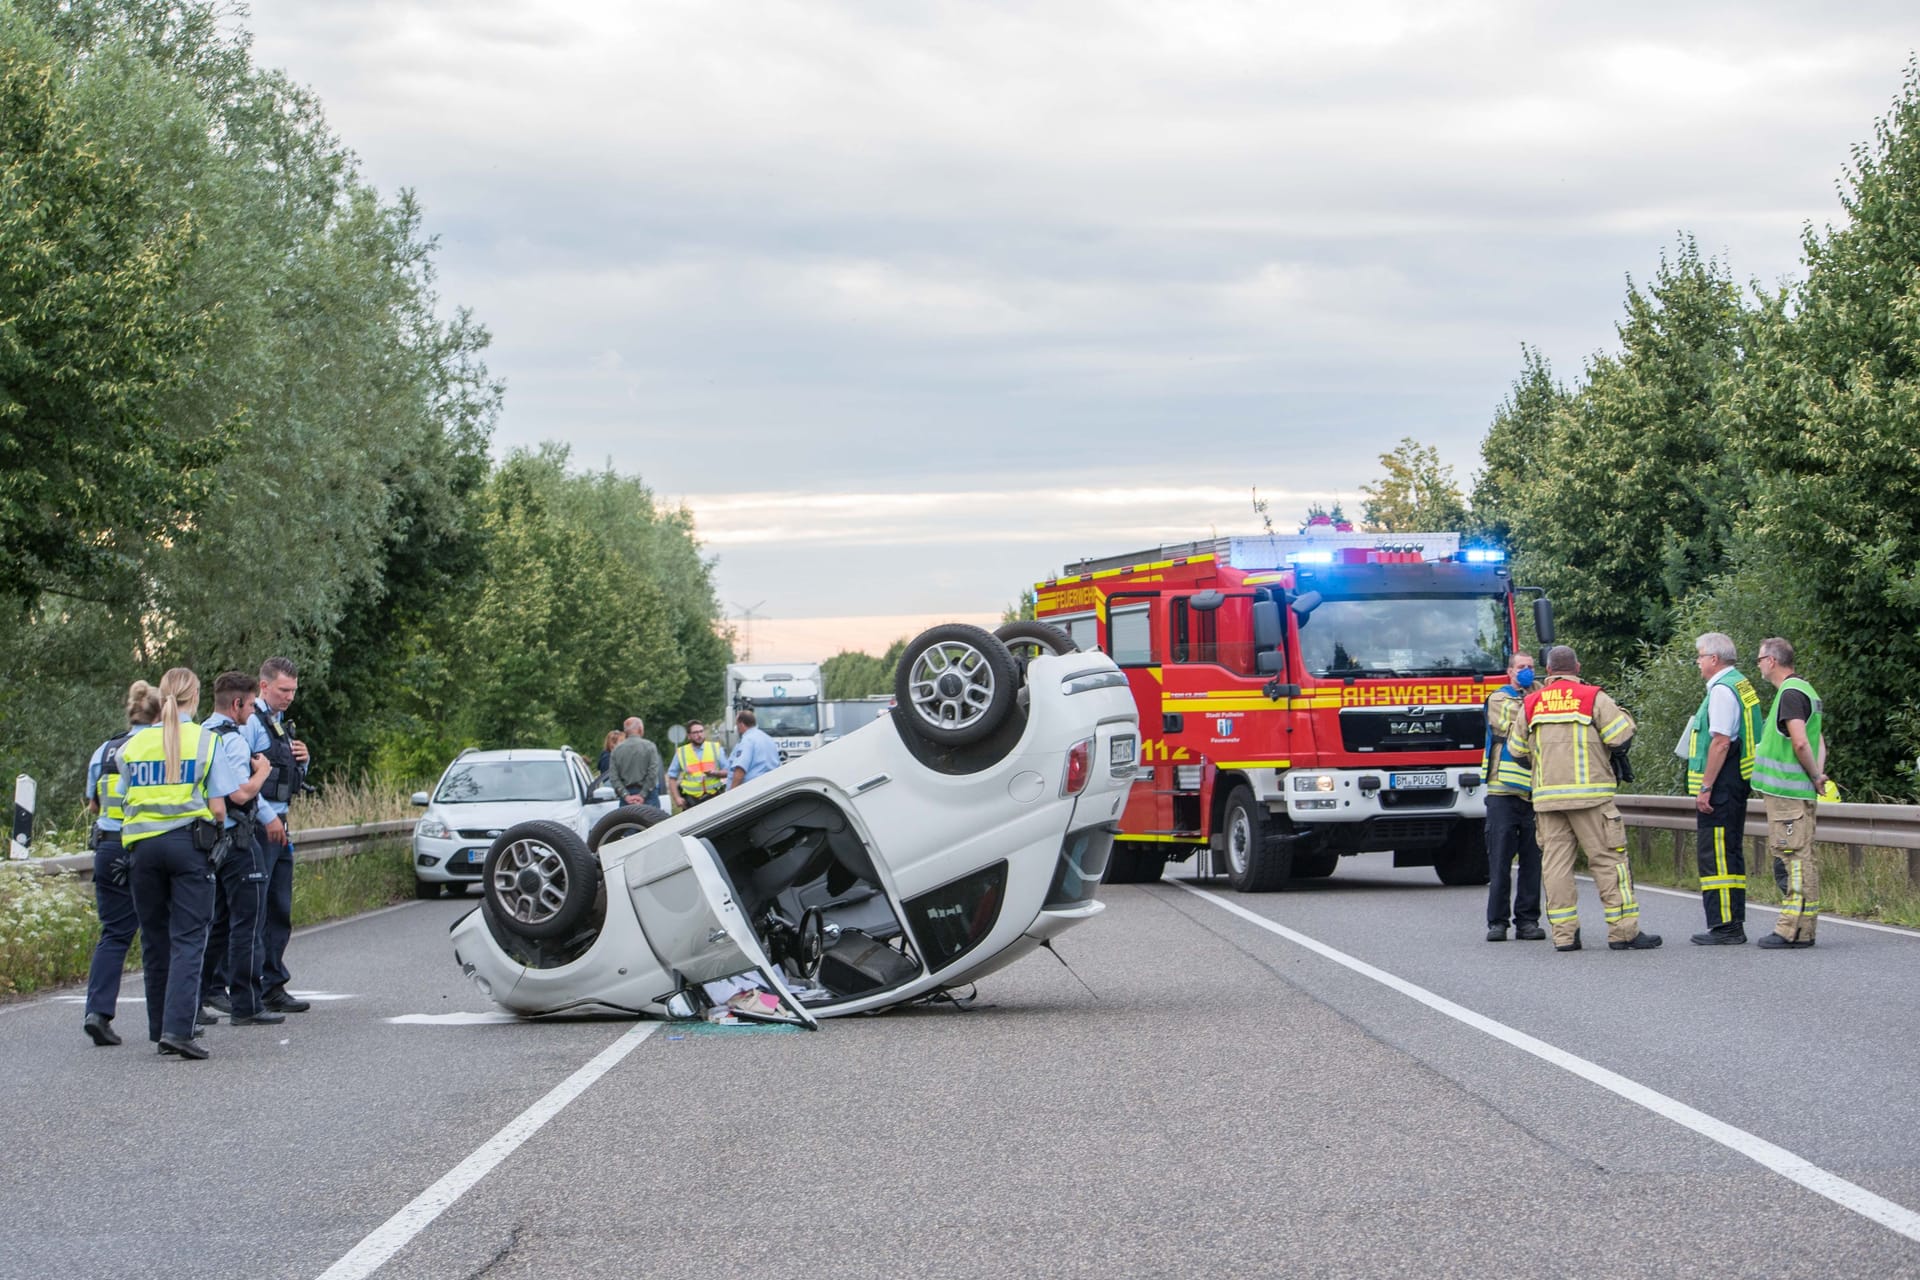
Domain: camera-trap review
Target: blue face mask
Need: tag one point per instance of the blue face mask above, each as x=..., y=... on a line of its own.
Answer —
x=1525, y=678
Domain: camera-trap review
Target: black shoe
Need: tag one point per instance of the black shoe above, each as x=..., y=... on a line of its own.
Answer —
x=100, y=1027
x=264, y=1018
x=1715, y=938
x=208, y=1018
x=1571, y=946
x=1639, y=942
x=1530, y=933
x=280, y=1002
x=218, y=1001
x=182, y=1048
x=1496, y=933
x=1774, y=942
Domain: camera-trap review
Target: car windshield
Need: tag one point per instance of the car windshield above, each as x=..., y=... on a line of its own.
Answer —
x=1406, y=636
x=504, y=781
x=788, y=720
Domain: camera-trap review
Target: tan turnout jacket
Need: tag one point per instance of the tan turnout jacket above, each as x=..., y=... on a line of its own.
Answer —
x=1568, y=730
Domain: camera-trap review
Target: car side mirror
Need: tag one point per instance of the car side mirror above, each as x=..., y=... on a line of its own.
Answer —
x=419, y=799
x=1543, y=620
x=604, y=793
x=1304, y=605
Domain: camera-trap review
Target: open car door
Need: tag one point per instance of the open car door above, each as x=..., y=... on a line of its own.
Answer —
x=688, y=914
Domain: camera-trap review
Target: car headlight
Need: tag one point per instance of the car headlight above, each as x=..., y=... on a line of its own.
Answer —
x=432, y=828
x=1312, y=782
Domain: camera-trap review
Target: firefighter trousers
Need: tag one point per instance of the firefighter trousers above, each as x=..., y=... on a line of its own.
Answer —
x=1790, y=841
x=1720, y=850
x=1600, y=832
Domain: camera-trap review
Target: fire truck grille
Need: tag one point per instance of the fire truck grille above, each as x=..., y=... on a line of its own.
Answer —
x=1428, y=729
x=1396, y=833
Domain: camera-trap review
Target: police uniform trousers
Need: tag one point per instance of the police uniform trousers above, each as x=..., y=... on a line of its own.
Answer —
x=1795, y=866
x=234, y=946
x=172, y=886
x=1511, y=836
x=276, y=922
x=118, y=923
x=1720, y=849
x=1599, y=832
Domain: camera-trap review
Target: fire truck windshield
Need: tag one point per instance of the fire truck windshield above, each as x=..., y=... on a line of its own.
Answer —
x=788, y=719
x=1451, y=635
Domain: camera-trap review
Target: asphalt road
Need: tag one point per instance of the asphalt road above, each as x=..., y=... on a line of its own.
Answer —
x=1214, y=1099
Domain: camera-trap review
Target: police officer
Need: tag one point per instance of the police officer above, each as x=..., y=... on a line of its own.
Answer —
x=1720, y=746
x=1790, y=773
x=1568, y=731
x=173, y=779
x=230, y=978
x=695, y=773
x=111, y=897
x=1510, y=829
x=287, y=759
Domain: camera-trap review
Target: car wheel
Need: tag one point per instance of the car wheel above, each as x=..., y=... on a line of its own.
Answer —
x=956, y=684
x=1256, y=863
x=1314, y=866
x=425, y=889
x=1134, y=862
x=541, y=879
x=1464, y=860
x=1030, y=639
x=622, y=822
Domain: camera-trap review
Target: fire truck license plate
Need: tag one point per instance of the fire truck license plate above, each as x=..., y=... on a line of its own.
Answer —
x=1122, y=752
x=1416, y=781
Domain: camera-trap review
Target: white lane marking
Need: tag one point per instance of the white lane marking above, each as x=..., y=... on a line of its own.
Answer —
x=1761, y=906
x=1795, y=1168
x=392, y=1235
x=461, y=1019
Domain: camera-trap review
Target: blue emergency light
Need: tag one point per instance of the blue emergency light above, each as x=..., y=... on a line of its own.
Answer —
x=1311, y=557
x=1484, y=555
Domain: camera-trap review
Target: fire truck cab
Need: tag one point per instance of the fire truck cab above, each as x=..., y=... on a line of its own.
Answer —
x=1302, y=698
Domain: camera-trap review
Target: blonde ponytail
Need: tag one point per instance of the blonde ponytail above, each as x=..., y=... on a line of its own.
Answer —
x=143, y=703
x=179, y=697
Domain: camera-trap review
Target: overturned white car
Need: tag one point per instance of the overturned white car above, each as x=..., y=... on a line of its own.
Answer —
x=929, y=848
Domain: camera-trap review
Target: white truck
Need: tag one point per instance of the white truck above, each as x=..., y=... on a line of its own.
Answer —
x=786, y=701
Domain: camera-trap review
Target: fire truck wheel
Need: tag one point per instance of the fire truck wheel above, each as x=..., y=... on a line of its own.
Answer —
x=956, y=684
x=1255, y=863
x=1032, y=639
x=622, y=822
x=1464, y=860
x=1134, y=862
x=1315, y=866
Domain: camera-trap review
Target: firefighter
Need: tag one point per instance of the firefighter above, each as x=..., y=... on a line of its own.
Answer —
x=695, y=772
x=1510, y=829
x=1720, y=747
x=1568, y=732
x=1790, y=773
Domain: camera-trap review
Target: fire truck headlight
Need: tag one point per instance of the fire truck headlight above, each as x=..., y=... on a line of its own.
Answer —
x=1312, y=782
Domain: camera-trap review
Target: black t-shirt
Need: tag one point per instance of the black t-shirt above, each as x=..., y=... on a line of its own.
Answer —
x=1794, y=705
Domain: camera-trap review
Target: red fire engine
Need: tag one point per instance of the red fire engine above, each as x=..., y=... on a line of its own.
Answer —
x=1302, y=698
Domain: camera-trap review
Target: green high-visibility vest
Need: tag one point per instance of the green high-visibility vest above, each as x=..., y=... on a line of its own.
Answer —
x=153, y=805
x=1747, y=730
x=1776, y=770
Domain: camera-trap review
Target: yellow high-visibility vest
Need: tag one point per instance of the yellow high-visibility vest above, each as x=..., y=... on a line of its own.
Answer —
x=152, y=804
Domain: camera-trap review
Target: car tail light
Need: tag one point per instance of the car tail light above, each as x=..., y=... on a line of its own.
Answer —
x=1079, y=767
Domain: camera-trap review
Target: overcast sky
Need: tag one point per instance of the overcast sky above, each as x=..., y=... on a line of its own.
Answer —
x=911, y=303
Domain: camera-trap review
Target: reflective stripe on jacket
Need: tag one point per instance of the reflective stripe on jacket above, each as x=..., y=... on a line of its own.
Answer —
x=1567, y=732
x=1776, y=770
x=700, y=772
x=1505, y=775
x=1747, y=729
x=154, y=805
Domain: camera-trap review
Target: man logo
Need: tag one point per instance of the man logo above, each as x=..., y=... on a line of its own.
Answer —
x=1223, y=727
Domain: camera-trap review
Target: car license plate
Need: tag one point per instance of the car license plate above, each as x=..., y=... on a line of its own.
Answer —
x=1123, y=749
x=475, y=857
x=1416, y=781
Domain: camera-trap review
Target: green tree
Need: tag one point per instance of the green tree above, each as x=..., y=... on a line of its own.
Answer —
x=1022, y=611
x=1332, y=519
x=1417, y=494
x=1515, y=447
x=850, y=674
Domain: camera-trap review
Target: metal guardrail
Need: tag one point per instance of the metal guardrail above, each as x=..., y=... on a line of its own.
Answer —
x=1857, y=827
x=315, y=844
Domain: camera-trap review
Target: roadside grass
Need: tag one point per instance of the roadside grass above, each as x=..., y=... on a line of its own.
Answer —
x=1877, y=889
x=341, y=801
x=48, y=925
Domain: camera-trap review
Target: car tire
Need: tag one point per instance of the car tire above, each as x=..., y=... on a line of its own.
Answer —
x=1134, y=862
x=623, y=821
x=1464, y=860
x=1314, y=866
x=955, y=686
x=425, y=889
x=1256, y=862
x=1031, y=639
x=541, y=879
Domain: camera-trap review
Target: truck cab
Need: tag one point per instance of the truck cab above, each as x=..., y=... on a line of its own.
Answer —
x=786, y=701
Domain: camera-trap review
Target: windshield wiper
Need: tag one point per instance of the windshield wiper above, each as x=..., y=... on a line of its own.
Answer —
x=1373, y=672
